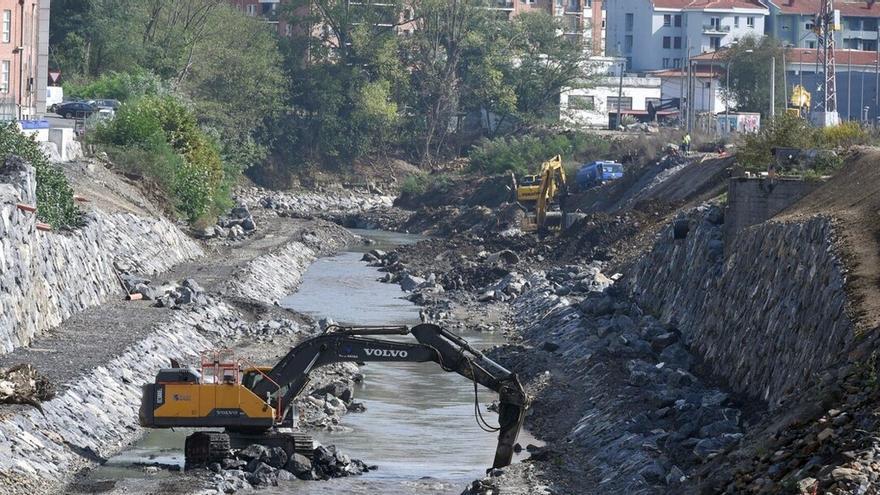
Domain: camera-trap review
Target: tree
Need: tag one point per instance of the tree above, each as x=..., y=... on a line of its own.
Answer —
x=750, y=61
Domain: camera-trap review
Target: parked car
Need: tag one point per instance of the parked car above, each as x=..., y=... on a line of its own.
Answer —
x=75, y=109
x=106, y=103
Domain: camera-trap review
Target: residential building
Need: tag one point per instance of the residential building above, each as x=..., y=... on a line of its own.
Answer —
x=661, y=34
x=597, y=106
x=792, y=21
x=580, y=18
x=24, y=56
x=268, y=10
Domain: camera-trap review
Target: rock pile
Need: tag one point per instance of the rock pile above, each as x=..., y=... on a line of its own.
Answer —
x=22, y=384
x=656, y=420
x=167, y=295
x=238, y=224
x=296, y=204
x=324, y=407
x=257, y=465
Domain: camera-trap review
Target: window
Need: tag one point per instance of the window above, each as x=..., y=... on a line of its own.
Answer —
x=809, y=26
x=811, y=44
x=626, y=103
x=665, y=63
x=7, y=26
x=4, y=76
x=630, y=21
x=869, y=24
x=715, y=22
x=628, y=43
x=667, y=20
x=252, y=10
x=581, y=102
x=736, y=21
x=667, y=42
x=750, y=22
x=678, y=20
x=676, y=42
x=715, y=43
x=676, y=63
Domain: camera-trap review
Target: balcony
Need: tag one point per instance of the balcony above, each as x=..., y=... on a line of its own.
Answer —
x=715, y=30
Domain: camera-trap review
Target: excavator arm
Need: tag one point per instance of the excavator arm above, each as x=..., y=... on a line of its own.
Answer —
x=353, y=344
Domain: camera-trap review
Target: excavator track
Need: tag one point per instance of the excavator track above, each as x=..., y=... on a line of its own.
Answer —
x=205, y=447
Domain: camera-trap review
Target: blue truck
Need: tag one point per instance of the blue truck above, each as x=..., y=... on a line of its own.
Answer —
x=598, y=172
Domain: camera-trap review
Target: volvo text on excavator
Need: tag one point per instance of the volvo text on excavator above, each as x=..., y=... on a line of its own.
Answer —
x=255, y=405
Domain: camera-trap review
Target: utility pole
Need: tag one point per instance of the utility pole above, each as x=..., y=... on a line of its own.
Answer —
x=784, y=79
x=826, y=106
x=772, y=86
x=620, y=92
x=849, y=86
x=877, y=79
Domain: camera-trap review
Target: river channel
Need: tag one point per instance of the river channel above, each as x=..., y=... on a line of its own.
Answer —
x=418, y=427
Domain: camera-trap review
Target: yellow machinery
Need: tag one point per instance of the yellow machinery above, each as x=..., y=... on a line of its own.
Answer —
x=552, y=189
x=529, y=189
x=799, y=103
x=255, y=404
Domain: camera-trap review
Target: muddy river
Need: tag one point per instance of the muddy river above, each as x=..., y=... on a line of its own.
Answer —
x=419, y=426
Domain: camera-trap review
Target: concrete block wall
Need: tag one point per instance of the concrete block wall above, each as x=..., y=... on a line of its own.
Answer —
x=751, y=201
x=46, y=277
x=768, y=317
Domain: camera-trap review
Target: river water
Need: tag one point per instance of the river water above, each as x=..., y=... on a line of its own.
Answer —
x=419, y=426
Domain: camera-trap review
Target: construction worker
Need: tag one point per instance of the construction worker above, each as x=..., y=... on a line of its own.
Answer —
x=686, y=144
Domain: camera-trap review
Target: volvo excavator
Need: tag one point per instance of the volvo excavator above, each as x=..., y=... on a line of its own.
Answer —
x=255, y=405
x=549, y=198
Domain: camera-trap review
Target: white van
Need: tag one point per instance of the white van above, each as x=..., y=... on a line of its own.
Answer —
x=54, y=97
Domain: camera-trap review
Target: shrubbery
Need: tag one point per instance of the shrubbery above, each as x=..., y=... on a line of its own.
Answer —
x=789, y=131
x=163, y=133
x=523, y=154
x=122, y=86
x=55, y=204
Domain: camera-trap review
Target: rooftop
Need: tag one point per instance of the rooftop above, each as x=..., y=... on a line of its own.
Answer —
x=861, y=8
x=710, y=4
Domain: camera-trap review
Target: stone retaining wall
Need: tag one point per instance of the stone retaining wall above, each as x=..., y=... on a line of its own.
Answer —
x=97, y=415
x=767, y=319
x=46, y=277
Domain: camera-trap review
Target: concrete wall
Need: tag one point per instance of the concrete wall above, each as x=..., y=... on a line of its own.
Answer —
x=769, y=317
x=751, y=201
x=46, y=277
x=640, y=89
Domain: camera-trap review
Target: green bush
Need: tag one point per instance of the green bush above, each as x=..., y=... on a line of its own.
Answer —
x=163, y=125
x=524, y=154
x=844, y=135
x=415, y=184
x=785, y=131
x=55, y=204
x=122, y=86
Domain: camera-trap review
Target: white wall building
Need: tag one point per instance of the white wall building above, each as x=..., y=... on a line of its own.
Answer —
x=657, y=34
x=596, y=106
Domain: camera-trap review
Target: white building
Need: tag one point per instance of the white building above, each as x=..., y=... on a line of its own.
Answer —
x=657, y=34
x=597, y=106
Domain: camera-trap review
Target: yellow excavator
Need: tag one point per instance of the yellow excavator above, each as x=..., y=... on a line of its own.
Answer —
x=799, y=103
x=255, y=404
x=543, y=201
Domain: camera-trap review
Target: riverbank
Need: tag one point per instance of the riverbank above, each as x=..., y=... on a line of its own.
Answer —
x=105, y=347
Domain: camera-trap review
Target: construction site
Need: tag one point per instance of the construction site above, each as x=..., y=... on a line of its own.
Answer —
x=684, y=302
x=674, y=324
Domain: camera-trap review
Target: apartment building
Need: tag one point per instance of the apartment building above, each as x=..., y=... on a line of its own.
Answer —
x=268, y=10
x=24, y=57
x=792, y=21
x=657, y=34
x=580, y=18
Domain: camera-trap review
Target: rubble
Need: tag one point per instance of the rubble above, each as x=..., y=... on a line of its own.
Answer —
x=21, y=384
x=257, y=465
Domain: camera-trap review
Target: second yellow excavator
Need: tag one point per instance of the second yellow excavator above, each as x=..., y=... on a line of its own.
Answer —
x=544, y=199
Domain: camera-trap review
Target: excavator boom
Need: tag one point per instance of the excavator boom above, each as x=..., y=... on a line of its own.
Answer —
x=452, y=353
